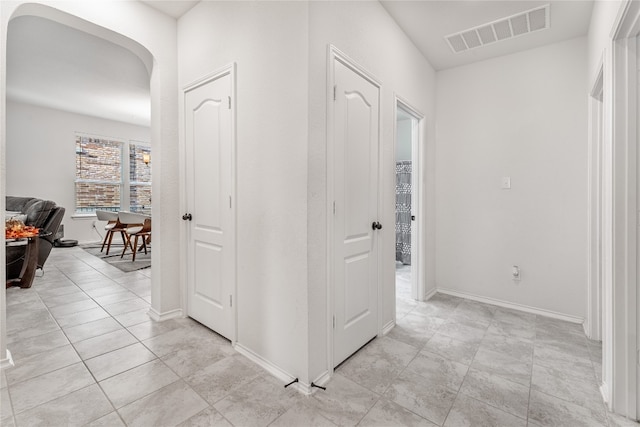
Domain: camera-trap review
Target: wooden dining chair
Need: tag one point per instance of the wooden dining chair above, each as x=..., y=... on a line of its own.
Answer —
x=138, y=225
x=112, y=226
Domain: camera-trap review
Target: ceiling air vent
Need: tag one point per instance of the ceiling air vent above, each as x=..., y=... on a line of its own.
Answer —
x=501, y=29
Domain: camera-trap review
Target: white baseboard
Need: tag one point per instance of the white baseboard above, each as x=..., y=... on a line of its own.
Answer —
x=321, y=381
x=430, y=294
x=322, y=378
x=7, y=362
x=515, y=306
x=604, y=392
x=274, y=370
x=388, y=327
x=586, y=328
x=160, y=317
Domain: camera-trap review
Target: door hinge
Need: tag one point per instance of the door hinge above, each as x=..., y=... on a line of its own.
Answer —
x=335, y=89
x=334, y=208
x=230, y=300
x=334, y=322
x=229, y=102
x=229, y=202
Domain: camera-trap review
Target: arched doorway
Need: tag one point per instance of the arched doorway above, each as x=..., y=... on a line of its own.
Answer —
x=152, y=39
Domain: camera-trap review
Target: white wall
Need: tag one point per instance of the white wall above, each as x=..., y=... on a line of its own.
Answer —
x=41, y=157
x=268, y=42
x=365, y=32
x=280, y=49
x=523, y=116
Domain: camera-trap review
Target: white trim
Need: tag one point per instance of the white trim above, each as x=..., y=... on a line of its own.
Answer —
x=329, y=206
x=161, y=317
x=274, y=370
x=430, y=294
x=606, y=221
x=418, y=285
x=7, y=362
x=406, y=105
x=604, y=392
x=586, y=328
x=321, y=379
x=593, y=322
x=234, y=194
x=514, y=306
x=622, y=340
x=627, y=22
x=183, y=234
x=231, y=70
x=334, y=54
x=388, y=327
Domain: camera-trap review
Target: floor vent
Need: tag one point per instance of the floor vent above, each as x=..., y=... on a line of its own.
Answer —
x=501, y=29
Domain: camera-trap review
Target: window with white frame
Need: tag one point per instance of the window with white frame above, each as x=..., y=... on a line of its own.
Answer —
x=139, y=177
x=105, y=180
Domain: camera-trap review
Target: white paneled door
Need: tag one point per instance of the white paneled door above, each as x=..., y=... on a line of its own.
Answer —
x=355, y=220
x=209, y=216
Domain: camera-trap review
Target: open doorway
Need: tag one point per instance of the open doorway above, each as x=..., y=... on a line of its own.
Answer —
x=407, y=202
x=63, y=80
x=82, y=103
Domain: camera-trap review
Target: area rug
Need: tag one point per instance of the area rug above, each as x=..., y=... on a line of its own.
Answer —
x=124, y=264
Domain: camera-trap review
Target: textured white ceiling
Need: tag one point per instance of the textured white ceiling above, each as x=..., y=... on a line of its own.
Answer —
x=55, y=66
x=427, y=22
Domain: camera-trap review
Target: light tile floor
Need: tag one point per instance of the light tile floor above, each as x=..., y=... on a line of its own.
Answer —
x=403, y=280
x=87, y=354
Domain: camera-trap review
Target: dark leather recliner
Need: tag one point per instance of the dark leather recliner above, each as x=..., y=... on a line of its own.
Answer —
x=45, y=215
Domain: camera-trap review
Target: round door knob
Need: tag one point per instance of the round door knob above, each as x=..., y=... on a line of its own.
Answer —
x=376, y=225
x=186, y=217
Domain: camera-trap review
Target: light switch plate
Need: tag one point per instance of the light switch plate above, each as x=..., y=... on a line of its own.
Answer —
x=506, y=182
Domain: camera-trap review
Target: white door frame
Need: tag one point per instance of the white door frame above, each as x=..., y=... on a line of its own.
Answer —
x=229, y=69
x=620, y=340
x=593, y=323
x=334, y=54
x=417, y=176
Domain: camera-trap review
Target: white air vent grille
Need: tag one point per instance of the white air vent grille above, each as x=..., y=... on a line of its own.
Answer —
x=457, y=43
x=502, y=29
x=471, y=39
x=486, y=34
x=519, y=25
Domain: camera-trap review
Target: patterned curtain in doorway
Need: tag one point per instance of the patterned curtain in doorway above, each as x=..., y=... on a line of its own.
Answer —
x=403, y=211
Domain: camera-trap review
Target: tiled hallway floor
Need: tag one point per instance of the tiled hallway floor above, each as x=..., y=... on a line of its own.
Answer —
x=403, y=280
x=87, y=354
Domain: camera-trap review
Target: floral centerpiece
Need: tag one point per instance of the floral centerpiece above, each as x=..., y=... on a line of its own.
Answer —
x=16, y=229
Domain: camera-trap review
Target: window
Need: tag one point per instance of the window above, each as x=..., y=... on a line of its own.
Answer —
x=104, y=181
x=98, y=174
x=139, y=177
